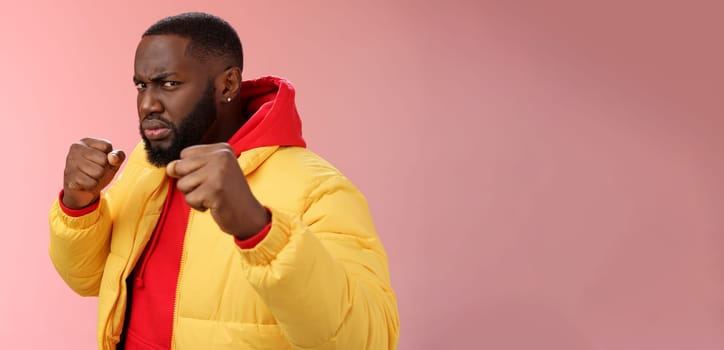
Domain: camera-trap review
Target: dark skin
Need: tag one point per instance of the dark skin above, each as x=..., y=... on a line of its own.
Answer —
x=169, y=83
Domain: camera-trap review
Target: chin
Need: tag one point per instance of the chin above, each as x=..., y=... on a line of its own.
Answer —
x=159, y=153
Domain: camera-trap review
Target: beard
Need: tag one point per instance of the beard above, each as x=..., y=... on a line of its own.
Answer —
x=188, y=133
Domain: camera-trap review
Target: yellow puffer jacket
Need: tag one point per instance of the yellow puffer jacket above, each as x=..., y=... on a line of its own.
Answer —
x=319, y=280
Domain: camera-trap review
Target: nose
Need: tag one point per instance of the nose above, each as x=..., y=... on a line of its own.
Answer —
x=148, y=103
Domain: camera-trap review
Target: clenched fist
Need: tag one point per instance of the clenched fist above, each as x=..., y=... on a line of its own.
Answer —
x=211, y=179
x=89, y=167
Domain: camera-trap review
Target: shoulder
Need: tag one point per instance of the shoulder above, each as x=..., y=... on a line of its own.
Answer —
x=301, y=173
x=302, y=164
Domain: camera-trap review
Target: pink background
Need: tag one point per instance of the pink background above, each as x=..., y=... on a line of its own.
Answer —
x=544, y=174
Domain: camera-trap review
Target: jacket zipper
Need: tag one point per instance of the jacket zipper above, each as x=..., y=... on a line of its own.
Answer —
x=178, y=281
x=109, y=336
x=155, y=237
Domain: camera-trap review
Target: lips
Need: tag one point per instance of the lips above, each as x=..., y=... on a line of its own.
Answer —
x=155, y=129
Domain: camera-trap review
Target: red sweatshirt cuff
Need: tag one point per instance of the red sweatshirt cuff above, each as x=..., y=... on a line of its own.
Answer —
x=252, y=241
x=77, y=212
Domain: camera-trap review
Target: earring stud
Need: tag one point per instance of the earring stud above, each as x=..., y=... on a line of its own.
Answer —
x=228, y=99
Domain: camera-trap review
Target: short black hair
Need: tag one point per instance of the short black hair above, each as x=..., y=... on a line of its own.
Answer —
x=210, y=36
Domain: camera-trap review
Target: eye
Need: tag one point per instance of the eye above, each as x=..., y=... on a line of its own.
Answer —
x=170, y=84
x=140, y=86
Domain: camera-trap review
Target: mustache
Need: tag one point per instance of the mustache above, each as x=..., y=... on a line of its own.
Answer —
x=154, y=116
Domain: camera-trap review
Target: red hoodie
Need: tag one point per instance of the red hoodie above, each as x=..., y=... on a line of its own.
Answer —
x=152, y=284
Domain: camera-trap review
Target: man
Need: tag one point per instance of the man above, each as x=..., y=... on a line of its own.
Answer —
x=223, y=231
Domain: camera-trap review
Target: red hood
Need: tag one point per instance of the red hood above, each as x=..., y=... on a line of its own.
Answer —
x=274, y=118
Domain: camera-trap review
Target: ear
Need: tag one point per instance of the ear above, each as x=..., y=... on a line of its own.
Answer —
x=228, y=84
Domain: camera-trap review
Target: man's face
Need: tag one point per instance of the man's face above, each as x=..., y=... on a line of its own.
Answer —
x=176, y=105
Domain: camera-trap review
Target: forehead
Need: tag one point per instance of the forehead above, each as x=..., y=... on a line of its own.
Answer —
x=157, y=54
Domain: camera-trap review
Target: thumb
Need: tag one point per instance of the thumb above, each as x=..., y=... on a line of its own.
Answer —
x=171, y=169
x=116, y=158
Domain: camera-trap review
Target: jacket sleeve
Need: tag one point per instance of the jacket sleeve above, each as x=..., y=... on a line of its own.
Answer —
x=79, y=246
x=324, y=274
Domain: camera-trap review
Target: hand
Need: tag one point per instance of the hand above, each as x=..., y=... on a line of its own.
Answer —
x=89, y=167
x=211, y=178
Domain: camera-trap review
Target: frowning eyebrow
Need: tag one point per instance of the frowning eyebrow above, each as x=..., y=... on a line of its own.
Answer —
x=156, y=78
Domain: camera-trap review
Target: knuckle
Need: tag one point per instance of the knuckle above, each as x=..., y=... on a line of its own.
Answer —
x=96, y=172
x=183, y=186
x=195, y=204
x=212, y=187
x=95, y=143
x=75, y=147
x=221, y=146
x=223, y=155
x=75, y=185
x=191, y=199
x=90, y=183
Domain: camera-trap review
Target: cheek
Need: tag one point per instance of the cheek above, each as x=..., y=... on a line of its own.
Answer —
x=138, y=106
x=178, y=105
